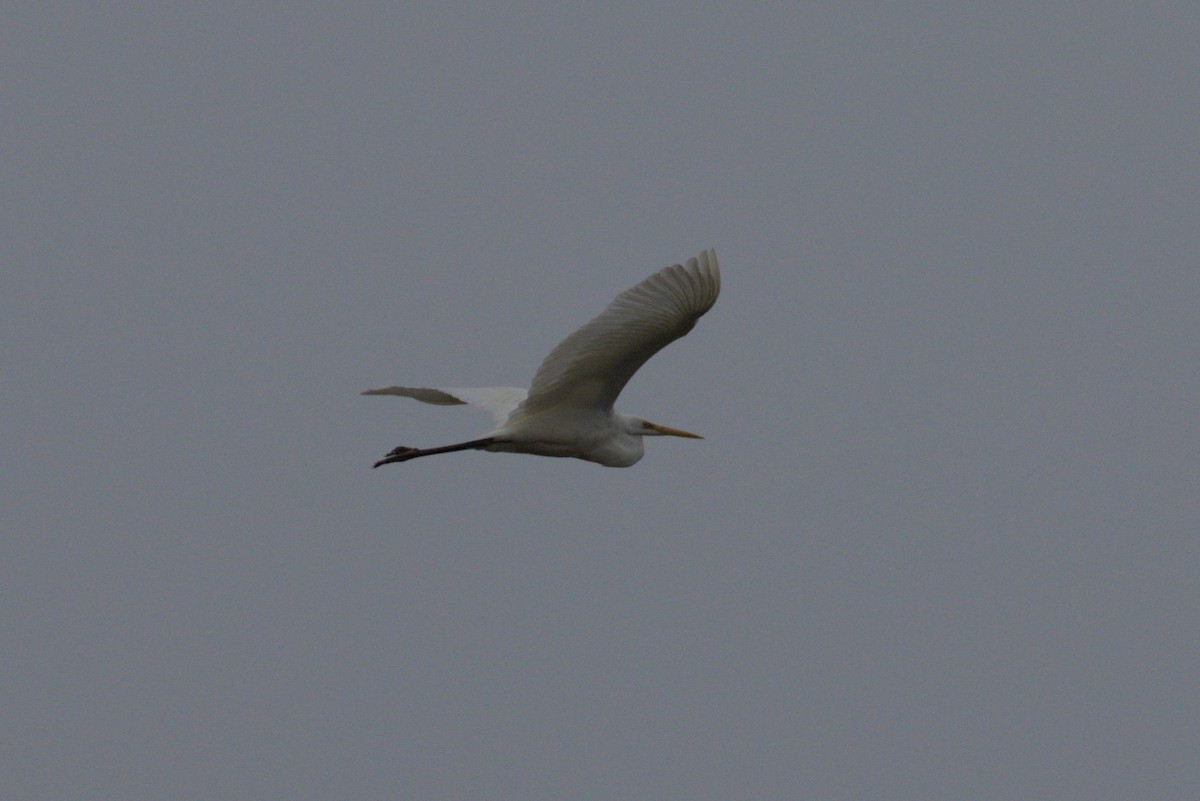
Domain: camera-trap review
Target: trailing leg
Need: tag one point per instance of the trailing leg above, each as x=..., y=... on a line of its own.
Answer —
x=403, y=453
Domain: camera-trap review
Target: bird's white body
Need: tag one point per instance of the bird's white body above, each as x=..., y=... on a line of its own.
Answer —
x=604, y=438
x=568, y=410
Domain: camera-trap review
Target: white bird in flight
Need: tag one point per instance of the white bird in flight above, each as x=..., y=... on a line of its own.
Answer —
x=568, y=411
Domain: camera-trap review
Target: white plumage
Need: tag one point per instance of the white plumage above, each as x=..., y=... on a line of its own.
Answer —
x=568, y=409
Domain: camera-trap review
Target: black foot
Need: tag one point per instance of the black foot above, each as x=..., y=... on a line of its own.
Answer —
x=398, y=454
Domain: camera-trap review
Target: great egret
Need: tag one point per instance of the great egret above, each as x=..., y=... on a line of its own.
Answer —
x=568, y=411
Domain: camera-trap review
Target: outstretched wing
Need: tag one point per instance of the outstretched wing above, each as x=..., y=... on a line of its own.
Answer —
x=591, y=366
x=499, y=402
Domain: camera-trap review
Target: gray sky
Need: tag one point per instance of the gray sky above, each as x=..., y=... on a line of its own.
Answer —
x=939, y=543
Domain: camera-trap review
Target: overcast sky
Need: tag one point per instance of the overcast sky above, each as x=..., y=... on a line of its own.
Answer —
x=940, y=540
